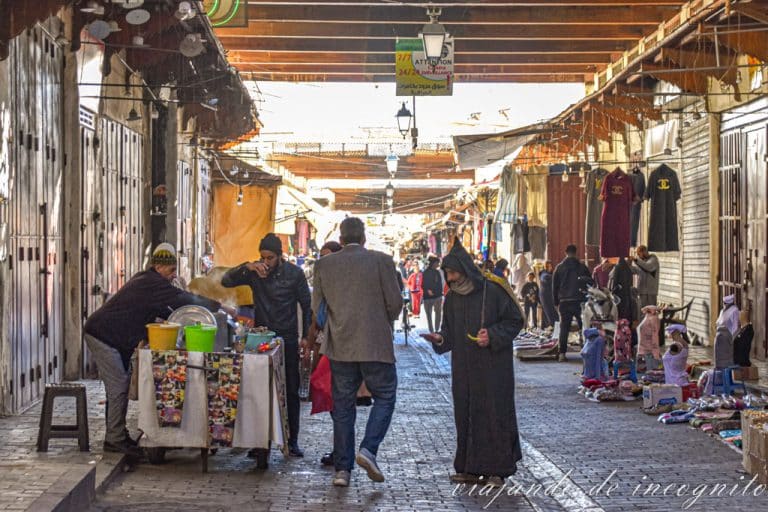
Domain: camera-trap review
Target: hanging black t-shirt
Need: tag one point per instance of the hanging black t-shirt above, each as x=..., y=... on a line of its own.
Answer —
x=663, y=190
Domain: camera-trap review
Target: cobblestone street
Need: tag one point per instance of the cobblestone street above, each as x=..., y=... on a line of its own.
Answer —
x=568, y=442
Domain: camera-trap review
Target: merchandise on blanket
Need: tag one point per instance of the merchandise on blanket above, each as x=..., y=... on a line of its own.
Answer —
x=720, y=426
x=610, y=395
x=663, y=394
x=755, y=402
x=676, y=416
x=223, y=393
x=654, y=377
x=169, y=370
x=660, y=408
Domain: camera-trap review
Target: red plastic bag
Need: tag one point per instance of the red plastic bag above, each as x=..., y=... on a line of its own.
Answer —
x=320, y=387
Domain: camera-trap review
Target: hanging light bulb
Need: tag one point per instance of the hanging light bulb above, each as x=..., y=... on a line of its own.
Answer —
x=565, y=176
x=239, y=201
x=581, y=172
x=234, y=170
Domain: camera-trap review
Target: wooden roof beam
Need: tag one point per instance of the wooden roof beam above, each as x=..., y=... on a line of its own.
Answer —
x=337, y=58
x=390, y=77
x=468, y=46
x=618, y=115
x=750, y=43
x=688, y=81
x=367, y=31
x=650, y=15
x=389, y=69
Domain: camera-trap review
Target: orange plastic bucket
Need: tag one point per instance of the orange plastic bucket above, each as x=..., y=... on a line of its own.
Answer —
x=163, y=336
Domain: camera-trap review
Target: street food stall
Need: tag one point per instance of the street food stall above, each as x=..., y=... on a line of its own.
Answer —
x=210, y=400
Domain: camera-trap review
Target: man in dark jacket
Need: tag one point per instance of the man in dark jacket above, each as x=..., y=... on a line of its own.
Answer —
x=114, y=331
x=278, y=286
x=568, y=286
x=432, y=283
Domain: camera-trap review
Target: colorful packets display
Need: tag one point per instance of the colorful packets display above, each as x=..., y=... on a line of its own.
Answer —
x=223, y=385
x=169, y=370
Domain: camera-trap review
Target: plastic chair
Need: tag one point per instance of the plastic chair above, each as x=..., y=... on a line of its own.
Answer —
x=726, y=384
x=632, y=370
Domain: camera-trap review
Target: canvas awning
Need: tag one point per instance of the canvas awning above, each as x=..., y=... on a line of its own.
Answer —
x=475, y=151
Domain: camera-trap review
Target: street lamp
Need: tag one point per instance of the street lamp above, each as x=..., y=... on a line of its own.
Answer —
x=433, y=34
x=404, y=117
x=390, y=190
x=392, y=160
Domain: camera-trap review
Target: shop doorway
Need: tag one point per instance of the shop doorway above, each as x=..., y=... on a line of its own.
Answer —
x=35, y=256
x=743, y=217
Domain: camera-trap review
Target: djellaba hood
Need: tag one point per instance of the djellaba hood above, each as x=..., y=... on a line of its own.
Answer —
x=459, y=259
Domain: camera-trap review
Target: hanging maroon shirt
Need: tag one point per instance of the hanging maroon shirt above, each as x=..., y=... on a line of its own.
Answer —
x=617, y=196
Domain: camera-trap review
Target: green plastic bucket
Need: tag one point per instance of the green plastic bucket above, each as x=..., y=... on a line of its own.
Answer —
x=200, y=338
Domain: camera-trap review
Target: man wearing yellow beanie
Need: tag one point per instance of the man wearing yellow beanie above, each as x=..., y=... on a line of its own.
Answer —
x=114, y=331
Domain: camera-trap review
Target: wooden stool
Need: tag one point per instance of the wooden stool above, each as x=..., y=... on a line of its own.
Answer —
x=48, y=431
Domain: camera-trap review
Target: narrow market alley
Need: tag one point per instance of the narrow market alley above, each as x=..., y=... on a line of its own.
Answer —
x=571, y=447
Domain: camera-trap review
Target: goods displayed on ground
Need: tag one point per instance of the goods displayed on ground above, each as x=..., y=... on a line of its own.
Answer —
x=536, y=343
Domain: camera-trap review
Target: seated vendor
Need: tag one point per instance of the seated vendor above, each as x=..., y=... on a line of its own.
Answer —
x=676, y=358
x=114, y=331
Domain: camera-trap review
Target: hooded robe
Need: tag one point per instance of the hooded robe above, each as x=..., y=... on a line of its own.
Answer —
x=483, y=381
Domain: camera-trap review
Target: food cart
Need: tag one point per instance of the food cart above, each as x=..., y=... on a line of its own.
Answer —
x=260, y=407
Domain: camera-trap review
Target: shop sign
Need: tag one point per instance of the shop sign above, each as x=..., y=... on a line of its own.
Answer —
x=415, y=76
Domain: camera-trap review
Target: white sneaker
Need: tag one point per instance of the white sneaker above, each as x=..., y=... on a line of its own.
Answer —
x=367, y=461
x=341, y=478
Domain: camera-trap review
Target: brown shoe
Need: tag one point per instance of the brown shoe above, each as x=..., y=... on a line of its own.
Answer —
x=493, y=481
x=464, y=478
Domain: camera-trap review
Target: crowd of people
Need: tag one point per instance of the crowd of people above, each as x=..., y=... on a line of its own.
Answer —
x=345, y=304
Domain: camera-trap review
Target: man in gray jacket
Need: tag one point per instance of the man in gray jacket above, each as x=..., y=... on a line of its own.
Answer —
x=646, y=267
x=362, y=296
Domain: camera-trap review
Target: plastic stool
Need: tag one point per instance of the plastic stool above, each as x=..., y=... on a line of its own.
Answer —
x=632, y=370
x=48, y=431
x=727, y=384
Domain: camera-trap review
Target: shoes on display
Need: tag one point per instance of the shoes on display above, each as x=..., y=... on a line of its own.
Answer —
x=341, y=478
x=327, y=459
x=367, y=461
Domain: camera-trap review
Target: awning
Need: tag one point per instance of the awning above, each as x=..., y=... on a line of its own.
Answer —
x=293, y=203
x=476, y=151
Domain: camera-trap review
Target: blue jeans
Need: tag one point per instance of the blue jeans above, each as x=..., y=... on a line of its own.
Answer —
x=381, y=380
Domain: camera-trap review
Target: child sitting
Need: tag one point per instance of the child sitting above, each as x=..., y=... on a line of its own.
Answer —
x=676, y=357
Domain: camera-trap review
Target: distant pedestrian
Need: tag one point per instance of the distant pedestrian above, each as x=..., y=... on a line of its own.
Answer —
x=501, y=269
x=360, y=290
x=530, y=295
x=545, y=294
x=415, y=285
x=568, y=286
x=646, y=267
x=433, y=283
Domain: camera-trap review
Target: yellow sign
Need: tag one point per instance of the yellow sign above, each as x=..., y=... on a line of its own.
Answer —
x=415, y=76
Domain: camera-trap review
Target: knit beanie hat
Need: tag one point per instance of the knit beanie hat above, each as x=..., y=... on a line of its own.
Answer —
x=272, y=243
x=164, y=254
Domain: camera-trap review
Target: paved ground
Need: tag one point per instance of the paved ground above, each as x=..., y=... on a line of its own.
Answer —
x=567, y=440
x=571, y=446
x=26, y=474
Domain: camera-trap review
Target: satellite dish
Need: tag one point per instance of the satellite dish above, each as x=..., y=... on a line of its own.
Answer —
x=137, y=17
x=191, y=46
x=99, y=29
x=130, y=4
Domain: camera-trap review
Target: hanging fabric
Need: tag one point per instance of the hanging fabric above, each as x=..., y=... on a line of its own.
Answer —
x=520, y=242
x=617, y=195
x=593, y=188
x=638, y=184
x=537, y=239
x=663, y=191
x=169, y=369
x=506, y=208
x=536, y=196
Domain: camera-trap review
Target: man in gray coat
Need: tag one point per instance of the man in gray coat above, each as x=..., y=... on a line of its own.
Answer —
x=646, y=267
x=362, y=296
